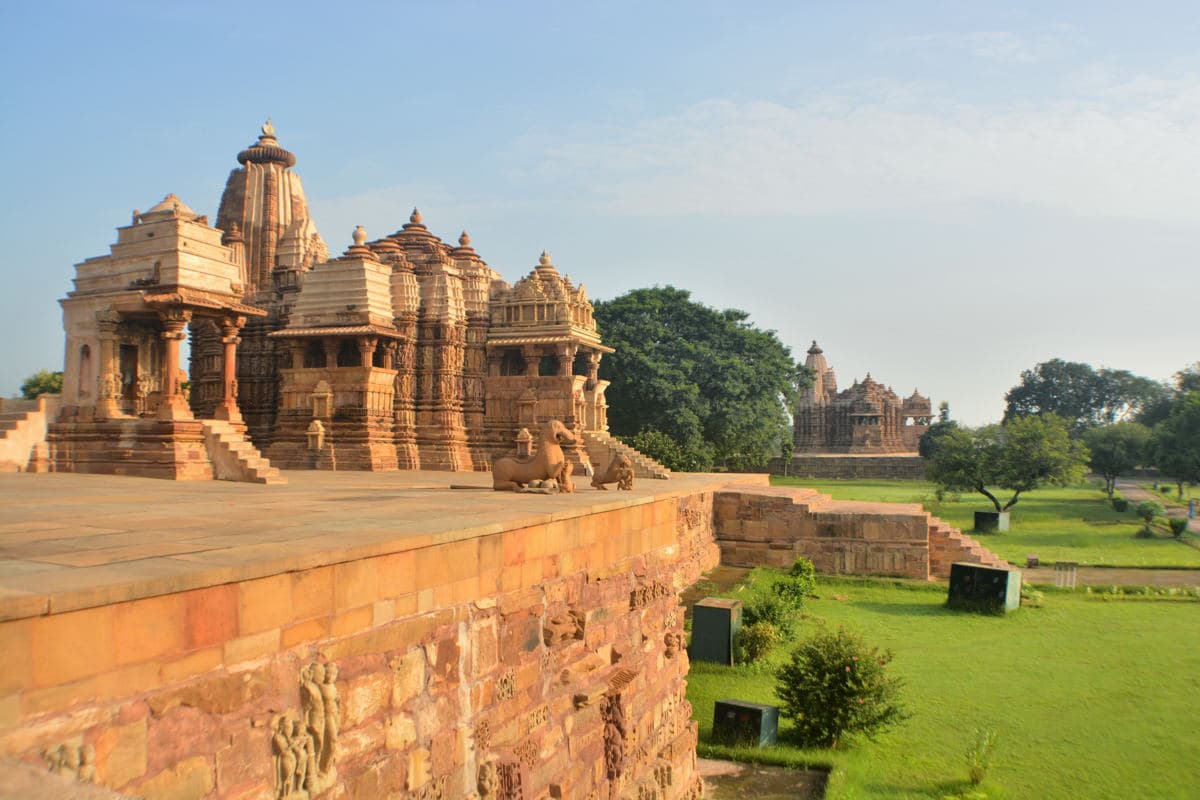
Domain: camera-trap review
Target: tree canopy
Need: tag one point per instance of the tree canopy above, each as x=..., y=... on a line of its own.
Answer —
x=1116, y=449
x=1175, y=445
x=1084, y=396
x=42, y=382
x=706, y=381
x=928, y=444
x=1019, y=456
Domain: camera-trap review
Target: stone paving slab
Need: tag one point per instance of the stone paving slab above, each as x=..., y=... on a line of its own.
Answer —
x=76, y=541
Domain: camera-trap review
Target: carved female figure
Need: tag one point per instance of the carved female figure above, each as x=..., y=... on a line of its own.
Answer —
x=313, y=702
x=333, y=712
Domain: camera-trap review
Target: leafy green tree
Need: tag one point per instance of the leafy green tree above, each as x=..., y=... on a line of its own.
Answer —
x=1079, y=393
x=931, y=438
x=1182, y=382
x=1020, y=456
x=43, y=382
x=709, y=380
x=1116, y=449
x=1175, y=444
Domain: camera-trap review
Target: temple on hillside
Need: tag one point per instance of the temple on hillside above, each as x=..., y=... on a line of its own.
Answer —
x=867, y=418
x=404, y=352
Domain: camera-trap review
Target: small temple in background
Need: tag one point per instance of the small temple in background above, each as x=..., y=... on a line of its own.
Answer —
x=867, y=419
x=404, y=352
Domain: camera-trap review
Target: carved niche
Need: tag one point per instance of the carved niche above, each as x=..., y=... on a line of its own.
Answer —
x=563, y=627
x=304, y=743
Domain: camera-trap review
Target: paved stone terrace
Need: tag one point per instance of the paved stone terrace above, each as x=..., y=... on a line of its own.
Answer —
x=77, y=541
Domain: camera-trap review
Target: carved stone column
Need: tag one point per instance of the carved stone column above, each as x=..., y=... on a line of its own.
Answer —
x=366, y=351
x=228, y=407
x=533, y=359
x=296, y=348
x=108, y=377
x=495, y=362
x=564, y=356
x=593, y=373
x=331, y=352
x=389, y=354
x=173, y=404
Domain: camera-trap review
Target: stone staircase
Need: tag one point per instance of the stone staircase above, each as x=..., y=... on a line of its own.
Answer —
x=948, y=545
x=234, y=458
x=601, y=447
x=23, y=425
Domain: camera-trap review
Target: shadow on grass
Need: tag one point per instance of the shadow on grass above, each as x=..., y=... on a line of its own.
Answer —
x=908, y=609
x=942, y=790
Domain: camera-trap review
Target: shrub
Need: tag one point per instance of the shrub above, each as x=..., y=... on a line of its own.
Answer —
x=835, y=686
x=1147, y=511
x=979, y=755
x=1178, y=526
x=1120, y=504
x=775, y=609
x=1031, y=597
x=756, y=641
x=798, y=584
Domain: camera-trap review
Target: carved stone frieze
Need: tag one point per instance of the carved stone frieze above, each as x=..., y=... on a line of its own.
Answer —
x=304, y=744
x=73, y=761
x=562, y=627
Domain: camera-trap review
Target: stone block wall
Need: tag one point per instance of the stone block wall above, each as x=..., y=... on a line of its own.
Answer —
x=848, y=467
x=759, y=526
x=543, y=661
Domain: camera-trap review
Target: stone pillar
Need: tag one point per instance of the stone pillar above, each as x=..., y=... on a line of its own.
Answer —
x=296, y=348
x=593, y=373
x=495, y=362
x=564, y=355
x=173, y=404
x=331, y=352
x=228, y=407
x=533, y=359
x=108, y=377
x=366, y=351
x=389, y=354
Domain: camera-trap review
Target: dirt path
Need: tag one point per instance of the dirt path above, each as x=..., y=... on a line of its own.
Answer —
x=1136, y=494
x=1103, y=576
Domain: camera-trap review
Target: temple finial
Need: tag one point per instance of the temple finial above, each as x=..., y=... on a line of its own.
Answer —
x=415, y=216
x=360, y=236
x=464, y=239
x=544, y=259
x=268, y=129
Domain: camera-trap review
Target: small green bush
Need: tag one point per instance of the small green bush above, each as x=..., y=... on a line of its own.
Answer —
x=798, y=584
x=979, y=755
x=1031, y=597
x=1120, y=504
x=775, y=609
x=834, y=686
x=756, y=641
x=1178, y=526
x=1147, y=510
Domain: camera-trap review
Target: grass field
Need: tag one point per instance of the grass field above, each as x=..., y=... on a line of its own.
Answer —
x=1056, y=524
x=1091, y=699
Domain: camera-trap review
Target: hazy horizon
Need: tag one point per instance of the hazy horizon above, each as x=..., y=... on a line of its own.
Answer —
x=940, y=195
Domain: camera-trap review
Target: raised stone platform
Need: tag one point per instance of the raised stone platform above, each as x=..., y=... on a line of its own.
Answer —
x=849, y=466
x=420, y=642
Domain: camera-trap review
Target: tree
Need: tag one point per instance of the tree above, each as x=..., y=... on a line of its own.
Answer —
x=931, y=438
x=42, y=382
x=1175, y=444
x=1020, y=456
x=710, y=381
x=1116, y=449
x=1182, y=382
x=1080, y=394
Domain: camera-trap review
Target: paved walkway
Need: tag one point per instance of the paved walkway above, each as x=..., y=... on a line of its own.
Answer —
x=1135, y=494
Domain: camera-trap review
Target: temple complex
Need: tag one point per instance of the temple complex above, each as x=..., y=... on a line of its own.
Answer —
x=867, y=418
x=402, y=353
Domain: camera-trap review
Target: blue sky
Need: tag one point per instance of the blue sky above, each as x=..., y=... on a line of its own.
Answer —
x=942, y=193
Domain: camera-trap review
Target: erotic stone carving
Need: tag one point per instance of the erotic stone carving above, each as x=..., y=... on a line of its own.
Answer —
x=73, y=762
x=619, y=471
x=513, y=473
x=304, y=744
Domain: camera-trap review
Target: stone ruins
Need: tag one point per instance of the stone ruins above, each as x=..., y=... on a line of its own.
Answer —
x=402, y=353
x=867, y=418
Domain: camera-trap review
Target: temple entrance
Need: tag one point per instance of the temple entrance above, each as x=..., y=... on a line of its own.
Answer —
x=129, y=377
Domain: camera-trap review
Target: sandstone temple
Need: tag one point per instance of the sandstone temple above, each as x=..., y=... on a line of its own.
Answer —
x=404, y=352
x=866, y=420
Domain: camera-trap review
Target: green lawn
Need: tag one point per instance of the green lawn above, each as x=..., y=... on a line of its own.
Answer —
x=1090, y=698
x=1057, y=524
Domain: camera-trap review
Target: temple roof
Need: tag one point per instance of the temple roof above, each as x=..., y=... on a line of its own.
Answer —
x=169, y=206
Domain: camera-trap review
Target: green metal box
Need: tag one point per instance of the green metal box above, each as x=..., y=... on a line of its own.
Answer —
x=980, y=588
x=715, y=625
x=738, y=723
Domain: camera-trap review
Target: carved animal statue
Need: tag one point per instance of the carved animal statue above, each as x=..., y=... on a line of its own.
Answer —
x=549, y=462
x=620, y=472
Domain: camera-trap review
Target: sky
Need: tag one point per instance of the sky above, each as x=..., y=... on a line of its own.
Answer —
x=941, y=193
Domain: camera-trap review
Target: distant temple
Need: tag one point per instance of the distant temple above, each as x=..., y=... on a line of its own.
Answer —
x=868, y=418
x=403, y=353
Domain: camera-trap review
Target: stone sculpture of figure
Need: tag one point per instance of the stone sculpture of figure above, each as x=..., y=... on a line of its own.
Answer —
x=510, y=473
x=57, y=759
x=333, y=708
x=619, y=471
x=488, y=781
x=87, y=764
x=301, y=744
x=285, y=759
x=313, y=703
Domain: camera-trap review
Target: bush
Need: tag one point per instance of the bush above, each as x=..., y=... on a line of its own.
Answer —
x=774, y=609
x=756, y=641
x=1147, y=511
x=1120, y=504
x=1031, y=597
x=835, y=686
x=798, y=584
x=1178, y=526
x=979, y=755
